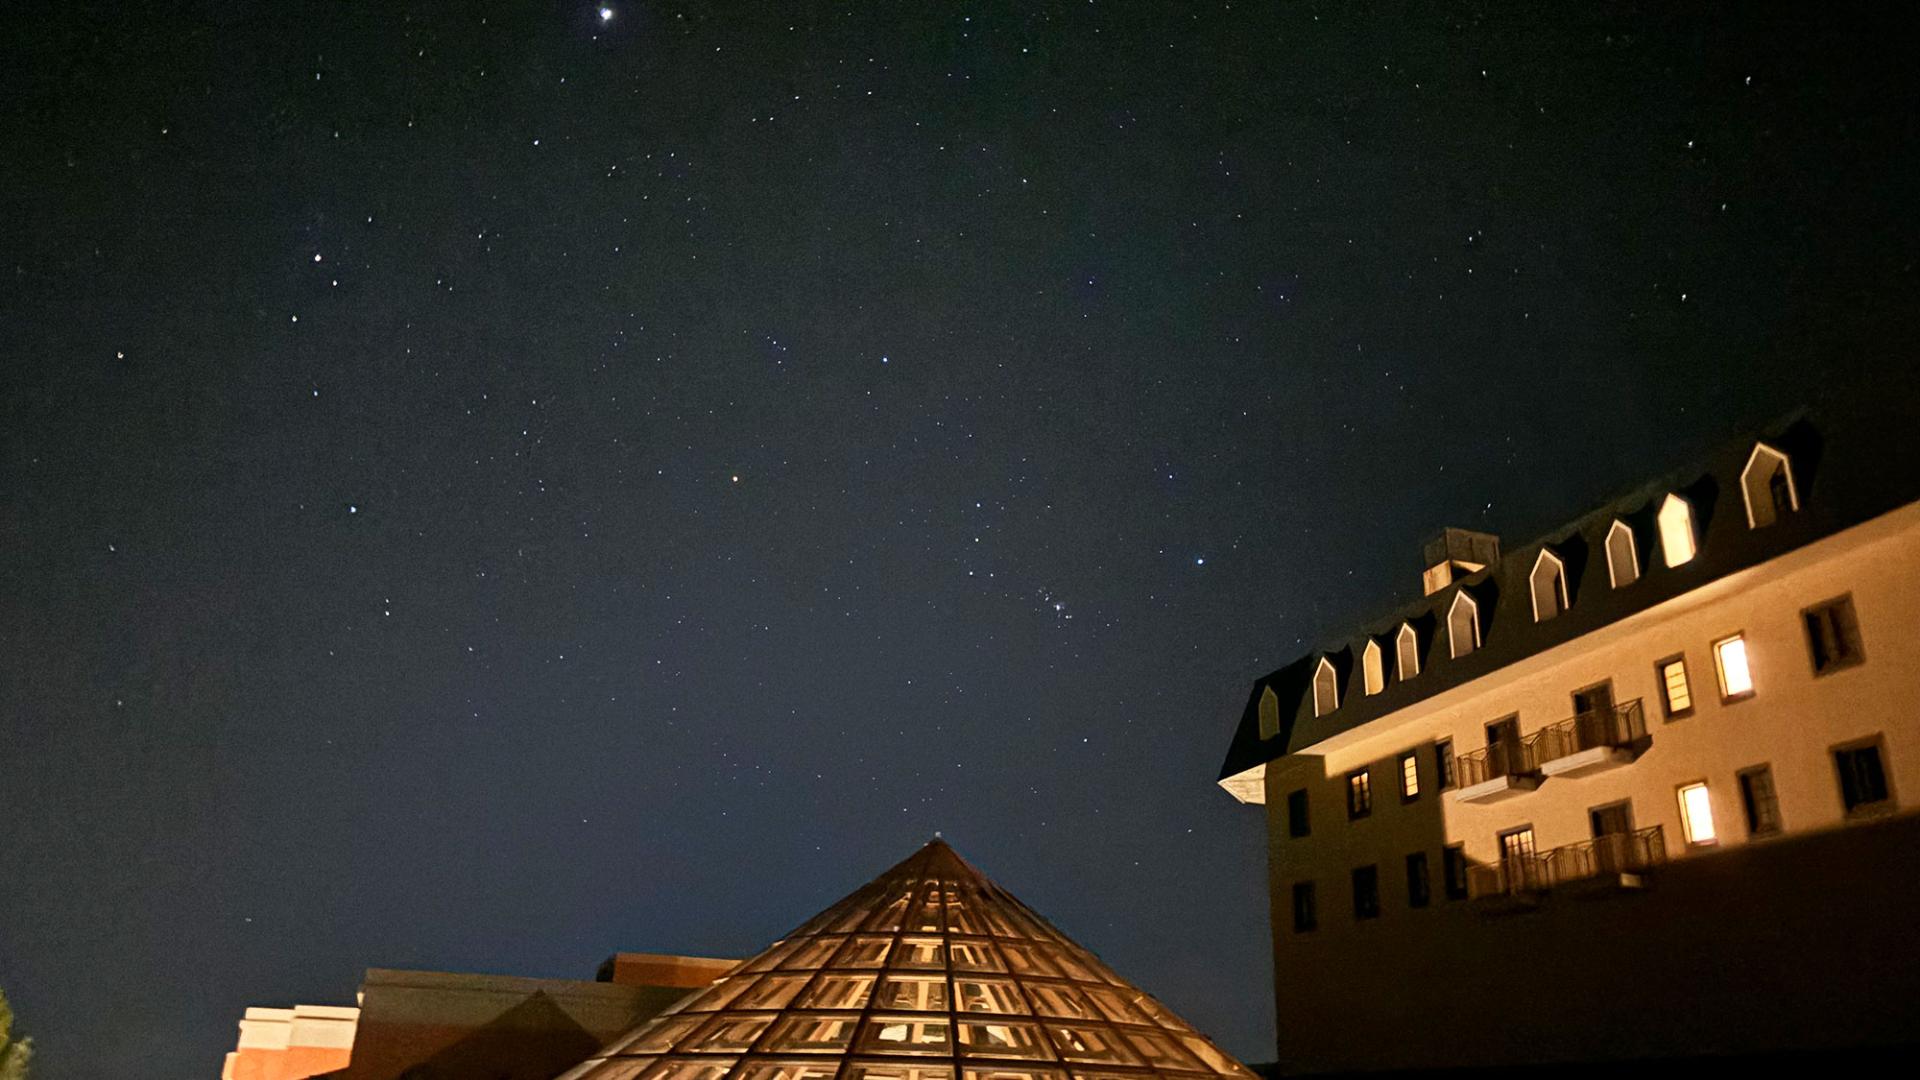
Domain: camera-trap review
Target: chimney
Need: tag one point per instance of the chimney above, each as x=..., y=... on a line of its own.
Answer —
x=1456, y=553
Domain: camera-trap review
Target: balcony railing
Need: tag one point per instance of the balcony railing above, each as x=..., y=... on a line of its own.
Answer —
x=1493, y=762
x=1615, y=727
x=1600, y=857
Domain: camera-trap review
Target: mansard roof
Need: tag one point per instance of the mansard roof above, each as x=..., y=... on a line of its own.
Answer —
x=1849, y=466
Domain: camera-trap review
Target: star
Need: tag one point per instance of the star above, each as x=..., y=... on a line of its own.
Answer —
x=606, y=13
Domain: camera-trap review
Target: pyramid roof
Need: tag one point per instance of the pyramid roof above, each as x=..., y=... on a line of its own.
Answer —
x=928, y=972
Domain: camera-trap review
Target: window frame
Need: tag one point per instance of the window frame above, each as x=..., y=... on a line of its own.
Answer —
x=1660, y=519
x=1373, y=668
x=1403, y=759
x=1687, y=829
x=1406, y=646
x=1720, y=667
x=1420, y=882
x=1455, y=886
x=1562, y=600
x=1355, y=810
x=1888, y=801
x=1269, y=713
x=1742, y=780
x=1473, y=619
x=1782, y=462
x=1666, y=694
x=1325, y=668
x=1443, y=765
x=1633, y=555
x=1853, y=659
x=1299, y=825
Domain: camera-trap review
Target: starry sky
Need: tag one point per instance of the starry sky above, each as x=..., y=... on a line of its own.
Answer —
x=486, y=485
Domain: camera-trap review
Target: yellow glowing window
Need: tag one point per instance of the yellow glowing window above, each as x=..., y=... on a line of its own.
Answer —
x=889, y=1070
x=1696, y=814
x=1736, y=678
x=839, y=992
x=772, y=992
x=924, y=993
x=1673, y=684
x=907, y=1035
x=974, y=956
x=1003, y=1040
x=1676, y=530
x=1409, y=776
x=919, y=953
x=988, y=996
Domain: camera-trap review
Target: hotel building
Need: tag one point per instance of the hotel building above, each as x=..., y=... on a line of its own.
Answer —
x=1639, y=789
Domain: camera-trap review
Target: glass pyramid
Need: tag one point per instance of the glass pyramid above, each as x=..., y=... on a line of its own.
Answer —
x=929, y=972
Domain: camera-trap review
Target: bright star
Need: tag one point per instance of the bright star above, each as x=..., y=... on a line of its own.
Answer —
x=606, y=14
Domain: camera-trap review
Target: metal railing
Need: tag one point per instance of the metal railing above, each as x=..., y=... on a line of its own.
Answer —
x=1493, y=762
x=1615, y=853
x=1617, y=726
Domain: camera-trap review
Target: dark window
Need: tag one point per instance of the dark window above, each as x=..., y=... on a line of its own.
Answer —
x=1863, y=783
x=1297, y=824
x=1453, y=866
x=1757, y=798
x=1304, y=916
x=1366, y=892
x=1833, y=635
x=1443, y=763
x=1419, y=890
x=1676, y=690
x=1359, y=794
x=1409, y=777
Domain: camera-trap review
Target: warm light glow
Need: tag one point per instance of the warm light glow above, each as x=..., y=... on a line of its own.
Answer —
x=1326, y=688
x=1409, y=776
x=1696, y=814
x=1735, y=678
x=1373, y=671
x=1676, y=530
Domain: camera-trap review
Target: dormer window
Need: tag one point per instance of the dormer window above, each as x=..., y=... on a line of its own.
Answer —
x=1549, y=585
x=1463, y=625
x=1326, y=688
x=1269, y=713
x=1767, y=484
x=1373, y=673
x=1623, y=556
x=1406, y=647
x=1677, y=543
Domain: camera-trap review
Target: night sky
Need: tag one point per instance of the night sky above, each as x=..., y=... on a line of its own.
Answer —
x=483, y=486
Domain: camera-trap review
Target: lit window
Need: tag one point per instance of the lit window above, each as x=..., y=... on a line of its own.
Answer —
x=1623, y=557
x=1326, y=688
x=1833, y=635
x=1409, y=777
x=1373, y=669
x=1696, y=814
x=1676, y=693
x=1407, y=652
x=1676, y=530
x=1767, y=484
x=1463, y=625
x=1736, y=679
x=1269, y=713
x=1359, y=794
x=1549, y=586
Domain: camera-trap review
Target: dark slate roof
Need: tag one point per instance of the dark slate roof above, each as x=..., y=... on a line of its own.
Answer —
x=1849, y=465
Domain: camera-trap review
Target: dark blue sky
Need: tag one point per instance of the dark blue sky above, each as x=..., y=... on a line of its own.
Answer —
x=481, y=488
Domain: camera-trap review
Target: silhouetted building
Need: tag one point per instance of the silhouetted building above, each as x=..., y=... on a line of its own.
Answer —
x=1630, y=790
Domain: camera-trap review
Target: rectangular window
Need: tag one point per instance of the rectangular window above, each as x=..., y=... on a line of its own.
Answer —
x=1366, y=892
x=1419, y=890
x=1297, y=823
x=1409, y=777
x=1757, y=799
x=1443, y=763
x=1730, y=657
x=1833, y=635
x=1359, y=794
x=1453, y=869
x=1305, y=917
x=1676, y=693
x=1863, y=782
x=1696, y=814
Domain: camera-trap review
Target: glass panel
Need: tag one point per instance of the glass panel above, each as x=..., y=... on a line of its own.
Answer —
x=691, y=1069
x=1059, y=999
x=1019, y=1074
x=1097, y=1045
x=974, y=956
x=922, y=993
x=1161, y=1053
x=774, y=954
x=997, y=921
x=1211, y=1054
x=889, y=917
x=729, y=1034
x=1735, y=677
x=1026, y=960
x=1696, y=811
x=772, y=992
x=1072, y=967
x=1115, y=1006
x=907, y=1035
x=720, y=994
x=1008, y=1039
x=658, y=1037
x=1160, y=1013
x=919, y=952
x=897, y=1070
x=789, y=1070
x=864, y=952
x=810, y=1034
x=989, y=996
x=838, y=992
x=623, y=1069
x=960, y=917
x=812, y=953
x=927, y=919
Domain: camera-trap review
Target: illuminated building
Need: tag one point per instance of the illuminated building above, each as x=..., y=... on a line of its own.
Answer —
x=929, y=972
x=1639, y=789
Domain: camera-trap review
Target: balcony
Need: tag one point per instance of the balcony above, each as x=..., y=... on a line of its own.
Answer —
x=1590, y=742
x=1616, y=860
x=1497, y=772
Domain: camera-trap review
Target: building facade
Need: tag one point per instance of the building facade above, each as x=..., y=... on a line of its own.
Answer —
x=1633, y=790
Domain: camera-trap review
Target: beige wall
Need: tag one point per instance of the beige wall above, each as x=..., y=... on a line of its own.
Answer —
x=1790, y=723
